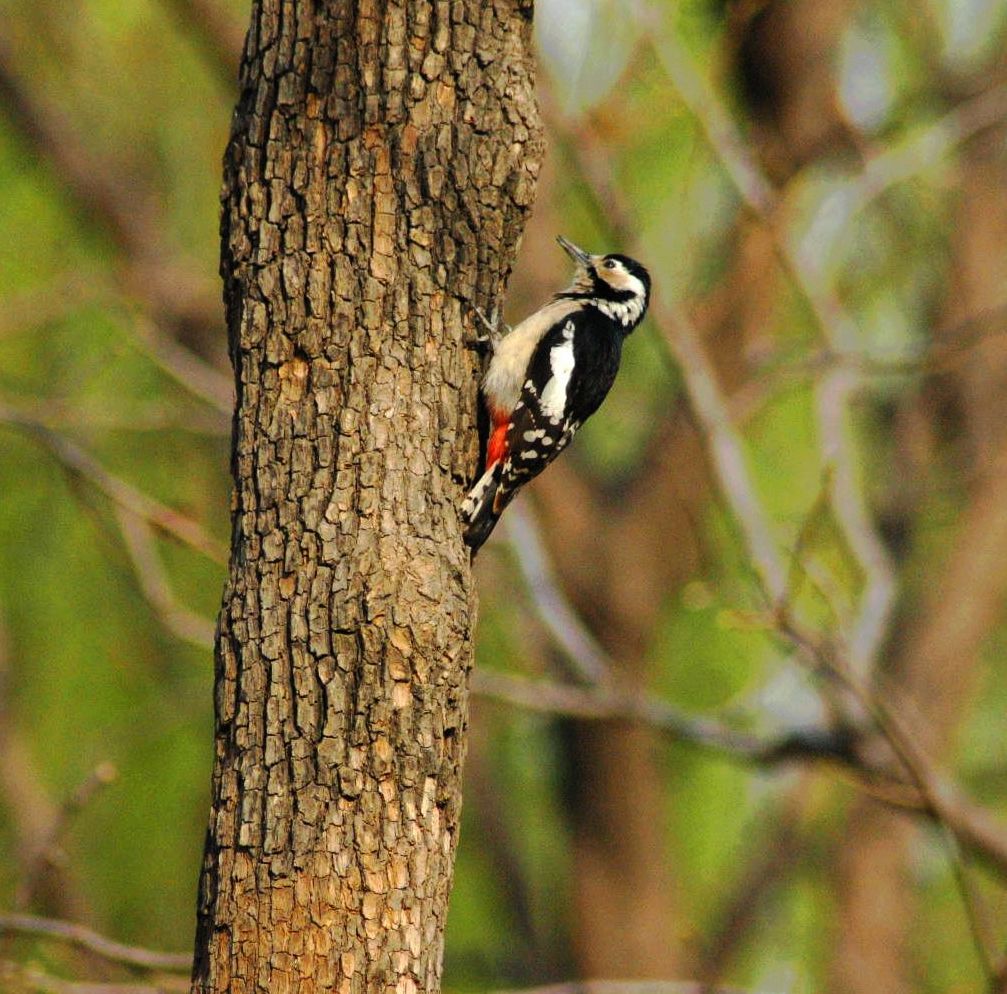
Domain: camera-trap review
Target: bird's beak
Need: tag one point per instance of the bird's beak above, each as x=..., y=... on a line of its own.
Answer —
x=578, y=255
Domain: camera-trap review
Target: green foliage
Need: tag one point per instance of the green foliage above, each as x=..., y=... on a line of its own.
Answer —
x=94, y=674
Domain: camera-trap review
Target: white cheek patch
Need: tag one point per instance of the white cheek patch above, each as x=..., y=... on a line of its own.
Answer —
x=553, y=398
x=635, y=284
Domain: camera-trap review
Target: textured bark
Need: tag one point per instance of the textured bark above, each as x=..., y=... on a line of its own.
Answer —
x=382, y=161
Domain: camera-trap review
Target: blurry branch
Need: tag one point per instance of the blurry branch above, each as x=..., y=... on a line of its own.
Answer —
x=215, y=31
x=47, y=849
x=974, y=827
x=722, y=133
x=629, y=987
x=152, y=272
x=925, y=147
x=56, y=300
x=725, y=448
x=28, y=809
x=896, y=164
x=773, y=859
x=79, y=462
x=139, y=541
x=185, y=366
x=547, y=600
x=17, y=978
x=839, y=386
x=836, y=391
x=155, y=416
x=606, y=704
x=82, y=937
x=851, y=669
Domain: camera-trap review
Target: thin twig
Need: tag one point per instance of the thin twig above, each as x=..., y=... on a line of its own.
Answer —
x=216, y=31
x=628, y=987
x=178, y=619
x=547, y=600
x=725, y=447
x=85, y=938
x=183, y=365
x=100, y=777
x=124, y=494
x=16, y=977
x=605, y=704
x=866, y=636
x=839, y=386
x=972, y=825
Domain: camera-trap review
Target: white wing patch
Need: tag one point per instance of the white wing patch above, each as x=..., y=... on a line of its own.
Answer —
x=553, y=398
x=509, y=365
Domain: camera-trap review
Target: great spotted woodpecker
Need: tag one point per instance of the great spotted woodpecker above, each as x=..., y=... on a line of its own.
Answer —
x=548, y=375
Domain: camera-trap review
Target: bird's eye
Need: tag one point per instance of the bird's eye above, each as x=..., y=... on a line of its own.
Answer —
x=609, y=264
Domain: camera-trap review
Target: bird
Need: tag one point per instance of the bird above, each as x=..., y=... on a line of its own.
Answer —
x=548, y=375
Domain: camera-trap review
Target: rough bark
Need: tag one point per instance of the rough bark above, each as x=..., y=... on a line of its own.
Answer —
x=382, y=161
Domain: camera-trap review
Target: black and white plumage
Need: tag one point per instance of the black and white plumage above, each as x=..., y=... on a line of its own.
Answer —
x=549, y=374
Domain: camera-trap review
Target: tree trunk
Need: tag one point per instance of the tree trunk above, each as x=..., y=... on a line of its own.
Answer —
x=382, y=162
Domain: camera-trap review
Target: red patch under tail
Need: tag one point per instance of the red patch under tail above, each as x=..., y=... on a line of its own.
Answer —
x=496, y=447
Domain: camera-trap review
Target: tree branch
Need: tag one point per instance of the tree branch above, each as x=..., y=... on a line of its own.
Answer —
x=85, y=938
x=124, y=494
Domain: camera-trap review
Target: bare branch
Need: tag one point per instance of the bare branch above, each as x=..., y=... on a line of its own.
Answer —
x=866, y=636
x=926, y=147
x=101, y=776
x=85, y=938
x=605, y=704
x=178, y=619
x=15, y=977
x=629, y=987
x=725, y=447
x=124, y=494
x=839, y=385
x=974, y=828
x=549, y=602
x=726, y=140
x=183, y=365
x=218, y=34
x=153, y=271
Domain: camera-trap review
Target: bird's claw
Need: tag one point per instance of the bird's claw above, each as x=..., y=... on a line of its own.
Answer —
x=491, y=339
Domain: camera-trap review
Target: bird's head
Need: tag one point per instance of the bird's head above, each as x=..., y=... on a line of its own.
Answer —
x=617, y=285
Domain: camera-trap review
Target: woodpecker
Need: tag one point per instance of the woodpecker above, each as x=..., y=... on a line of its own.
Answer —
x=549, y=374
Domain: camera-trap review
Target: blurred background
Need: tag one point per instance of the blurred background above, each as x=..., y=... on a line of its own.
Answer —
x=791, y=513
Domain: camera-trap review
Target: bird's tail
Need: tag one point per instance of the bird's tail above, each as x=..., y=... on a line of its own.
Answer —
x=478, y=513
